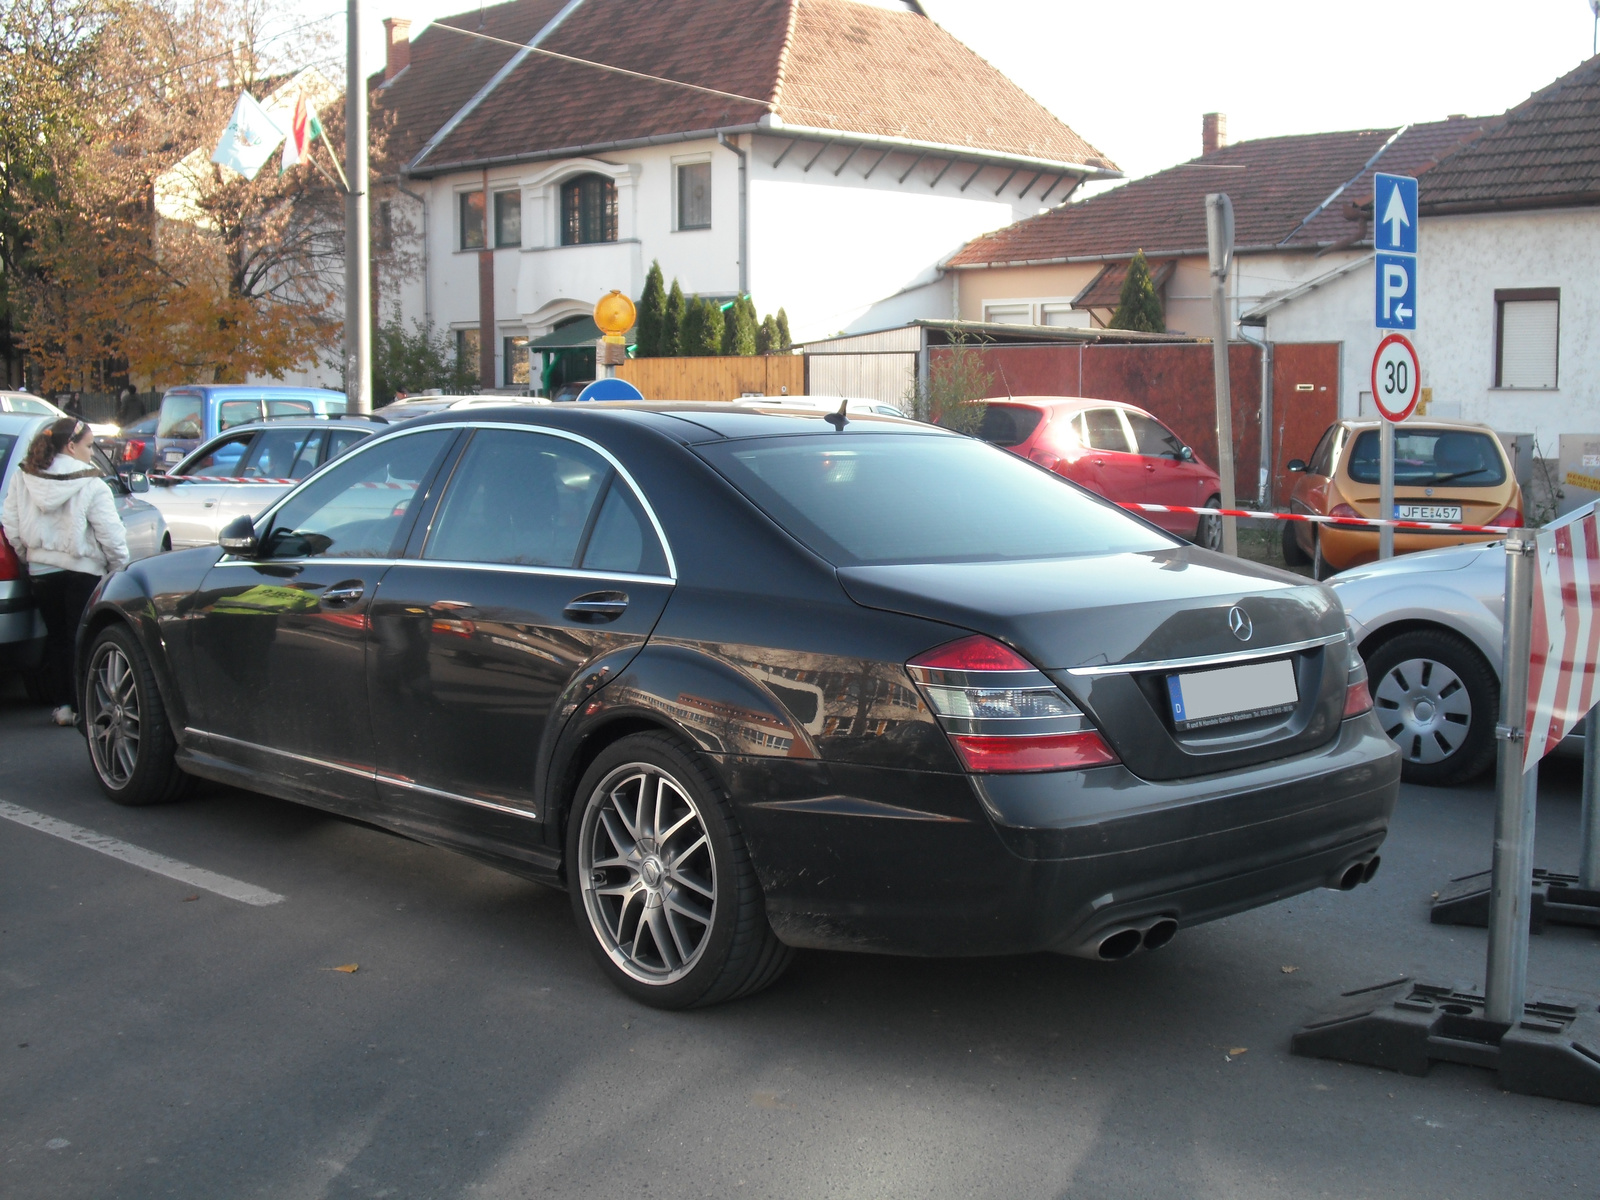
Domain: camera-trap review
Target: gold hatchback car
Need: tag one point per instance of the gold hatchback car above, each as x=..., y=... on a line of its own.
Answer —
x=1454, y=471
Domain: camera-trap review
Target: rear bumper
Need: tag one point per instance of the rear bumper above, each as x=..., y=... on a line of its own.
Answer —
x=943, y=865
x=1346, y=548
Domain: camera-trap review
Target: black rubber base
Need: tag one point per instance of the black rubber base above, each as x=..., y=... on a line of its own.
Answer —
x=1557, y=900
x=1407, y=1027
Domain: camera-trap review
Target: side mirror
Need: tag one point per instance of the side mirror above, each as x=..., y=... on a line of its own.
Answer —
x=1297, y=465
x=1185, y=454
x=138, y=481
x=238, y=536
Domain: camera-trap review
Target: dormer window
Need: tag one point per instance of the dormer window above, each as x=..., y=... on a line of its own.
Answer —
x=588, y=210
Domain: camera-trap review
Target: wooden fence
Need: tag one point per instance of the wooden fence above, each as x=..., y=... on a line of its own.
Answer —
x=724, y=377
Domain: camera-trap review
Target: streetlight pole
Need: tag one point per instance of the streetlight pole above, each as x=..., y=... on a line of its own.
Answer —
x=357, y=281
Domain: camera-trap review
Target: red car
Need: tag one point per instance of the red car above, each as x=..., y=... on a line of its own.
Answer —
x=1117, y=450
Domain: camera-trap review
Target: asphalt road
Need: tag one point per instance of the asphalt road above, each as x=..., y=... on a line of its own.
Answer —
x=162, y=1040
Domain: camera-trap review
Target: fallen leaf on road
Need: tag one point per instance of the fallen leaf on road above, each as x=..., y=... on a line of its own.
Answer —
x=1238, y=1050
x=348, y=968
x=186, y=899
x=1288, y=970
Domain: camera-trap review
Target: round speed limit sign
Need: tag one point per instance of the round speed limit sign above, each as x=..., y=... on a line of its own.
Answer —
x=1396, y=377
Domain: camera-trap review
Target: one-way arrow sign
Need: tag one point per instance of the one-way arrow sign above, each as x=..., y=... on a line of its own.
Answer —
x=1395, y=214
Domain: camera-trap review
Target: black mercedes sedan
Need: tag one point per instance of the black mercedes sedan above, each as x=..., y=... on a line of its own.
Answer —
x=745, y=681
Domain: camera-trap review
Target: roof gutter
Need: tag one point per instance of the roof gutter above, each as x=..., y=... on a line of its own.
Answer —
x=1122, y=255
x=1514, y=204
x=779, y=128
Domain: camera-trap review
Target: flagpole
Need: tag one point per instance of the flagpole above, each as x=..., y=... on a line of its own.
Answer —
x=357, y=302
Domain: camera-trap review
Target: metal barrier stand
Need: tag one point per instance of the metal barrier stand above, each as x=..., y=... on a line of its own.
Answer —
x=1548, y=1045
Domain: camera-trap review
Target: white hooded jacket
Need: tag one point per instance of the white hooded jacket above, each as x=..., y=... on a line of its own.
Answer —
x=66, y=517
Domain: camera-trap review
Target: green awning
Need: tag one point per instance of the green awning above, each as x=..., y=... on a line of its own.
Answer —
x=583, y=333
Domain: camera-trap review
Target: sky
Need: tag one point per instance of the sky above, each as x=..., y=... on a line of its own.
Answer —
x=1134, y=76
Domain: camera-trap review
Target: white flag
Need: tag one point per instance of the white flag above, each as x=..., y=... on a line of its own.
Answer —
x=249, y=139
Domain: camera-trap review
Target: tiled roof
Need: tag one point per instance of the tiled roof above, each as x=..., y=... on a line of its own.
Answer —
x=818, y=64
x=1275, y=185
x=1105, y=289
x=1543, y=152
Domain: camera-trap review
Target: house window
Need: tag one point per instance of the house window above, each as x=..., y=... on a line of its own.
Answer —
x=1063, y=316
x=508, y=218
x=1008, y=314
x=472, y=220
x=694, y=196
x=1527, y=326
x=467, y=351
x=588, y=210
x=516, y=360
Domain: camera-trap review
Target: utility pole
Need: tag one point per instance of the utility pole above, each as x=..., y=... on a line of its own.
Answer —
x=357, y=281
x=1219, y=244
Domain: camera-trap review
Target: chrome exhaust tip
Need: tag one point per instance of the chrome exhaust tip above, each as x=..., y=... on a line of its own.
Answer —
x=1159, y=934
x=1119, y=944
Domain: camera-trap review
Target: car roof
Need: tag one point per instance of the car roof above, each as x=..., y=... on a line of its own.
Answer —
x=14, y=423
x=1413, y=424
x=318, y=421
x=253, y=390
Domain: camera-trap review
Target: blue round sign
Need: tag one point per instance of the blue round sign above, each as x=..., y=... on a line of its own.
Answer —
x=610, y=389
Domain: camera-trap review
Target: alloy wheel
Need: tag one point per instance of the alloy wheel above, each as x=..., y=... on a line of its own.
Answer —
x=647, y=874
x=1424, y=708
x=113, y=716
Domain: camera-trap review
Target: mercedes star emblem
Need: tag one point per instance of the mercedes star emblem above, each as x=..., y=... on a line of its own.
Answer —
x=1239, y=622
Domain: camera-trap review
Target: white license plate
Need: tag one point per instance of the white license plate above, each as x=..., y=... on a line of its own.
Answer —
x=174, y=455
x=1202, y=698
x=1428, y=512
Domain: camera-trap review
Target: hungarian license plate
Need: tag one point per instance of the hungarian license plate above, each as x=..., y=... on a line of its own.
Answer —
x=174, y=455
x=1428, y=512
x=1203, y=698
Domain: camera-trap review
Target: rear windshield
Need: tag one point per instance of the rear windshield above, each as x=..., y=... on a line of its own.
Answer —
x=1009, y=424
x=909, y=498
x=1425, y=457
x=180, y=416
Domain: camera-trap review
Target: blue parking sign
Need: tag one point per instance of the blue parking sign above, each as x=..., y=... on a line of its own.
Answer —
x=1394, y=213
x=1395, y=300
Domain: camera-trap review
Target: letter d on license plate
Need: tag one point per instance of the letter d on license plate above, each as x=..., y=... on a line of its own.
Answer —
x=1203, y=698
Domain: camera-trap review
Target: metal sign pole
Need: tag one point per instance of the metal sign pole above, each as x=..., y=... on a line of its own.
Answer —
x=1511, y=898
x=1589, y=826
x=1219, y=242
x=1386, y=487
x=357, y=263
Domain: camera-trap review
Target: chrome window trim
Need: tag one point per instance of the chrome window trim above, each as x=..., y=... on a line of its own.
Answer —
x=229, y=560
x=412, y=786
x=519, y=568
x=1206, y=660
x=379, y=439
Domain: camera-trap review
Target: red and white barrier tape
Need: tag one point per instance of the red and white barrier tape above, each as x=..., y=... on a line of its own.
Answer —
x=224, y=479
x=1348, y=522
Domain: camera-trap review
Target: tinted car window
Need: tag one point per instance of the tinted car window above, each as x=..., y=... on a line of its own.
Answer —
x=358, y=508
x=1103, y=430
x=221, y=459
x=291, y=408
x=180, y=416
x=1009, y=424
x=623, y=539
x=904, y=498
x=283, y=454
x=1424, y=457
x=237, y=412
x=520, y=498
x=1152, y=437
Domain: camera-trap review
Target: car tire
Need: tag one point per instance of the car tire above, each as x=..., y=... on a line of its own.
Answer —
x=695, y=889
x=1438, y=699
x=1208, y=529
x=131, y=743
x=1293, y=556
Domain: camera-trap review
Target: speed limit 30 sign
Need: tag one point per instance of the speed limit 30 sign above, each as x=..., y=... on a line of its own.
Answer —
x=1396, y=377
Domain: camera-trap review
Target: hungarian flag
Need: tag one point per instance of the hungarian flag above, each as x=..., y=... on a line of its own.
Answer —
x=303, y=126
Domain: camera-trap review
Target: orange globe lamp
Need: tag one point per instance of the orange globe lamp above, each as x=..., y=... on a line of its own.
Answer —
x=615, y=315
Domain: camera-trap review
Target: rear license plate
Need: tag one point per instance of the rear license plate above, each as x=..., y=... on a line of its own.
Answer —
x=174, y=455
x=1428, y=512
x=1202, y=698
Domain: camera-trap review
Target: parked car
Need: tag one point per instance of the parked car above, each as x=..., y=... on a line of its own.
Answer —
x=742, y=682
x=21, y=628
x=423, y=406
x=1429, y=628
x=1115, y=450
x=206, y=490
x=133, y=448
x=1455, y=471
x=852, y=405
x=28, y=404
x=195, y=413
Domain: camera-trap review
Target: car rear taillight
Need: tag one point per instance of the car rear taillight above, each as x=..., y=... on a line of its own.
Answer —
x=1357, y=696
x=1002, y=713
x=1344, y=510
x=132, y=449
x=1510, y=518
x=10, y=568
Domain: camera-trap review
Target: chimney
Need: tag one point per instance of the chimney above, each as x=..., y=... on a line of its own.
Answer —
x=1213, y=132
x=397, y=46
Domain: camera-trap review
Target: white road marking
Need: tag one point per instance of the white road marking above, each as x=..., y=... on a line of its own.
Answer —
x=233, y=889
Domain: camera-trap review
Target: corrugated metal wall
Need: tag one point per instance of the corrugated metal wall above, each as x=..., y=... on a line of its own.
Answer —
x=876, y=375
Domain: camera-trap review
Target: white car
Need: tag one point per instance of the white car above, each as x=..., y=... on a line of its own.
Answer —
x=822, y=404
x=1429, y=627
x=37, y=406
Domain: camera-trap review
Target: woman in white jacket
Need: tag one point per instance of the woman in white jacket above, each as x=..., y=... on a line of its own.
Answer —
x=61, y=518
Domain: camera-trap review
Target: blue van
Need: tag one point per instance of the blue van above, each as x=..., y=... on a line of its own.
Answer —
x=195, y=412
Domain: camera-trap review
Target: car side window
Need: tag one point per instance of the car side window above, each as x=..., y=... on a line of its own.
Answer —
x=1152, y=437
x=283, y=454
x=1322, y=456
x=1103, y=427
x=623, y=539
x=519, y=498
x=237, y=412
x=221, y=459
x=358, y=509
x=21, y=404
x=340, y=440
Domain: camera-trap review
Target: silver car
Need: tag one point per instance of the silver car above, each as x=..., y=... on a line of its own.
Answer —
x=246, y=469
x=21, y=629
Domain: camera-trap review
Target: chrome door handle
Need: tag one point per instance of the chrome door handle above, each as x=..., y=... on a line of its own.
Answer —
x=345, y=593
x=597, y=606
